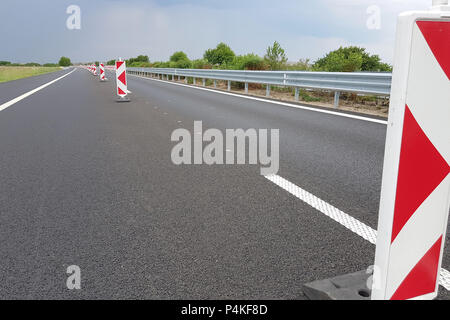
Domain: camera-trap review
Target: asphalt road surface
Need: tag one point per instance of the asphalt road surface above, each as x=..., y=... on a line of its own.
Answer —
x=88, y=181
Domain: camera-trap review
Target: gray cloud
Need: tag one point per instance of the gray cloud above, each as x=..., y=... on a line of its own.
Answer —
x=36, y=31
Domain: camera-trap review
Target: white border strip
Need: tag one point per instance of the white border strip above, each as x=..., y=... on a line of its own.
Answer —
x=354, y=225
x=29, y=93
x=340, y=114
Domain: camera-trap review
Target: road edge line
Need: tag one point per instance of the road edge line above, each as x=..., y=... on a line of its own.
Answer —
x=29, y=93
x=286, y=104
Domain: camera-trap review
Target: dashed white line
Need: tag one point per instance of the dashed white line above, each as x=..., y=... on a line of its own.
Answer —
x=354, y=225
x=29, y=93
x=327, y=209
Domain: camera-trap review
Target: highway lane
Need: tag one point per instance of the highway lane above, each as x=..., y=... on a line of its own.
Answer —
x=12, y=89
x=338, y=159
x=90, y=182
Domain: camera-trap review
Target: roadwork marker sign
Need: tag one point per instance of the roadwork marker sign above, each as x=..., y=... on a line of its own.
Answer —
x=415, y=195
x=121, y=81
x=102, y=72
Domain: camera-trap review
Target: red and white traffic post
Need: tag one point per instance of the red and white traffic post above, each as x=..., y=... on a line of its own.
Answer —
x=415, y=195
x=102, y=72
x=94, y=69
x=121, y=81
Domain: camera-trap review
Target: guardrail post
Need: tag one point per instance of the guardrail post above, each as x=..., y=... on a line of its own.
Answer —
x=186, y=80
x=229, y=85
x=195, y=81
x=215, y=83
x=268, y=90
x=246, y=87
x=297, y=93
x=179, y=78
x=337, y=94
x=204, y=82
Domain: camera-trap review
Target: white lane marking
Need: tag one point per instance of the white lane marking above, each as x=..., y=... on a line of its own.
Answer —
x=286, y=104
x=444, y=279
x=29, y=93
x=340, y=217
x=327, y=209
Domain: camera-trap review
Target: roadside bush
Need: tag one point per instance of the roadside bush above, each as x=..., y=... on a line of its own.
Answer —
x=160, y=64
x=178, y=56
x=4, y=63
x=248, y=62
x=65, y=62
x=138, y=59
x=201, y=64
x=139, y=64
x=351, y=59
x=222, y=54
x=180, y=60
x=183, y=64
x=301, y=65
x=276, y=57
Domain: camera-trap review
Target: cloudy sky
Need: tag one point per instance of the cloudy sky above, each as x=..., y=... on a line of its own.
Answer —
x=35, y=30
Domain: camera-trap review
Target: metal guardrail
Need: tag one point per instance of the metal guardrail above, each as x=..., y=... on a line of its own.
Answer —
x=363, y=83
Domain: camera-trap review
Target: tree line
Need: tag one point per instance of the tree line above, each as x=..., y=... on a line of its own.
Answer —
x=344, y=59
x=63, y=62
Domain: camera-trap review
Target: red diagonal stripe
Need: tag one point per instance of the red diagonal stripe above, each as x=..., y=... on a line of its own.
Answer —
x=122, y=78
x=119, y=64
x=437, y=35
x=422, y=169
x=423, y=277
x=120, y=91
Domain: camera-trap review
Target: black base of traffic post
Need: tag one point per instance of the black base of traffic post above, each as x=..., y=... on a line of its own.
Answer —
x=347, y=287
x=123, y=99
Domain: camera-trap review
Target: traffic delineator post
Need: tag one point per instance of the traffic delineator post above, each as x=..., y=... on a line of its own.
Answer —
x=415, y=195
x=121, y=81
x=102, y=72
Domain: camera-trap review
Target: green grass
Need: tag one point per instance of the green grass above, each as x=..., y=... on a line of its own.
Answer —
x=14, y=73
